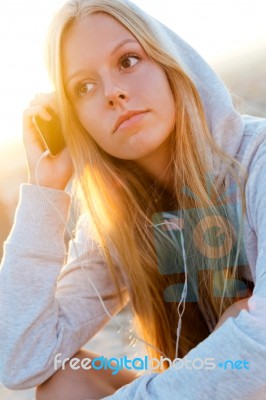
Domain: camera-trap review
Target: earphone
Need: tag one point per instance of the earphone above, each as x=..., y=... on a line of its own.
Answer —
x=184, y=292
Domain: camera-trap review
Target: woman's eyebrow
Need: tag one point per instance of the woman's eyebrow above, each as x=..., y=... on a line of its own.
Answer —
x=121, y=44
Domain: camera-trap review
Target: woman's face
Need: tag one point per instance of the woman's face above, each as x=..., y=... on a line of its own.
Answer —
x=108, y=75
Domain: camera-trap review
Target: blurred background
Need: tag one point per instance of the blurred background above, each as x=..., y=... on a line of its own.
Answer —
x=229, y=34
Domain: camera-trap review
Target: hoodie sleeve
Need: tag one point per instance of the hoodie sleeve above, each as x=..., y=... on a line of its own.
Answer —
x=47, y=309
x=241, y=340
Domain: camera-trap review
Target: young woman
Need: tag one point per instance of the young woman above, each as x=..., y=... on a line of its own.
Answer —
x=169, y=179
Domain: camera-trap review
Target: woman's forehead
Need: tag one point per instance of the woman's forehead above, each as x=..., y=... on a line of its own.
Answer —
x=97, y=28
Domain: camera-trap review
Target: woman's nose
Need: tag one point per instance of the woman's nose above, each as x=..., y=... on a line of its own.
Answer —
x=115, y=95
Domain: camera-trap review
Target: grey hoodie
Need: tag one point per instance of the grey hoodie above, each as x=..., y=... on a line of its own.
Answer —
x=47, y=307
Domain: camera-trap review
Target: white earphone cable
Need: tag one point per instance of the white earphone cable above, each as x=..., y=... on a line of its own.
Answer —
x=184, y=291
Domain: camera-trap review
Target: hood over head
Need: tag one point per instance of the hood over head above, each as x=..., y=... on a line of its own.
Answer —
x=225, y=123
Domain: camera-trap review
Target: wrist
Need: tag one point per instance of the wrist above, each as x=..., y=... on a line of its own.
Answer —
x=50, y=185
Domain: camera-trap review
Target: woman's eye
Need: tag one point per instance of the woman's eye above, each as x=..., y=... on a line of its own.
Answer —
x=129, y=60
x=84, y=88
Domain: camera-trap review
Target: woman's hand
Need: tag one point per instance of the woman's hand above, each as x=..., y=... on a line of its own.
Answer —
x=233, y=311
x=53, y=171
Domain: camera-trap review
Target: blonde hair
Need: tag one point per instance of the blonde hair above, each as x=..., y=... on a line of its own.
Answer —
x=121, y=199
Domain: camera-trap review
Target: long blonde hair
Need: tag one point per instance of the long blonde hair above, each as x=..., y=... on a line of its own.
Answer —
x=121, y=199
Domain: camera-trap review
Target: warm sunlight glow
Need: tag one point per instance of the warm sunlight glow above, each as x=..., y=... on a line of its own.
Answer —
x=23, y=26
x=216, y=28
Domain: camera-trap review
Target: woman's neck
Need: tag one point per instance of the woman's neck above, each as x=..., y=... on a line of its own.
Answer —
x=158, y=165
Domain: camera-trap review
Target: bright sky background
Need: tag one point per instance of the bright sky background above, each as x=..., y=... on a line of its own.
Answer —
x=216, y=28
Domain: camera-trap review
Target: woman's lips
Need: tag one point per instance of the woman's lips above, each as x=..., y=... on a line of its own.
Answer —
x=130, y=122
